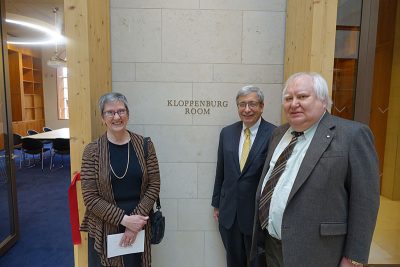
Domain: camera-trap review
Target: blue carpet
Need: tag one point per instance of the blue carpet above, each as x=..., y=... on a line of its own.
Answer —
x=45, y=232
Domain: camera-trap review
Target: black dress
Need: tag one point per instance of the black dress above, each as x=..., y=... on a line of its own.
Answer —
x=126, y=190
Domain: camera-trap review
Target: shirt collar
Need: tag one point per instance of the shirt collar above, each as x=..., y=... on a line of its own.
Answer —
x=253, y=129
x=310, y=131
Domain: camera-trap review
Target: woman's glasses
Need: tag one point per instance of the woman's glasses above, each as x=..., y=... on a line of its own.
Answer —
x=111, y=113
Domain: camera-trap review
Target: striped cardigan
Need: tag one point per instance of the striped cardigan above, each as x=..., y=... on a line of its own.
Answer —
x=102, y=215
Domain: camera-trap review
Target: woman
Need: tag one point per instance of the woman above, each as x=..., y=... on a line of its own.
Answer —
x=119, y=186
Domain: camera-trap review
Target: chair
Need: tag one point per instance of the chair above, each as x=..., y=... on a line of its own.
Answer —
x=18, y=146
x=47, y=129
x=31, y=132
x=60, y=147
x=33, y=147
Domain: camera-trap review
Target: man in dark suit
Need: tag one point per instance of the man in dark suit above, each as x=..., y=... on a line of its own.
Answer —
x=241, y=155
x=317, y=205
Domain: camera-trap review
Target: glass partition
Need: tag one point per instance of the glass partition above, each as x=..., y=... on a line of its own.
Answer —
x=348, y=28
x=8, y=200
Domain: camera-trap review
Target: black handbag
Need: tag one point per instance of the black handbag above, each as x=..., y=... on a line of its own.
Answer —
x=157, y=220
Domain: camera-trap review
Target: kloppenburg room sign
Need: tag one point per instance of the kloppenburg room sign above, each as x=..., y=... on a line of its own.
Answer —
x=197, y=107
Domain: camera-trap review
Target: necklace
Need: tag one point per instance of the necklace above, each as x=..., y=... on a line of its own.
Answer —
x=120, y=140
x=127, y=165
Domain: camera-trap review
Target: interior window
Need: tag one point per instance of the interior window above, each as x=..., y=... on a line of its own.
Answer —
x=62, y=93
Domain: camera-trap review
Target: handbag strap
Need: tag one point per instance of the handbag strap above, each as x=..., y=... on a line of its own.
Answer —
x=145, y=150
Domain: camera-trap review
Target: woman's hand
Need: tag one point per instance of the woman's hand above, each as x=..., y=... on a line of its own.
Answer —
x=134, y=223
x=128, y=238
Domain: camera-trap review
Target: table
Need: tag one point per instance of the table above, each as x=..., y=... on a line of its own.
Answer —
x=59, y=133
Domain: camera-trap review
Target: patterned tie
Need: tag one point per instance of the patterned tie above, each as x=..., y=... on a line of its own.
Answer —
x=280, y=165
x=245, y=149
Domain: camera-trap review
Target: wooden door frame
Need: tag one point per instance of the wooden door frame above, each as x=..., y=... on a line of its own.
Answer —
x=365, y=72
x=87, y=28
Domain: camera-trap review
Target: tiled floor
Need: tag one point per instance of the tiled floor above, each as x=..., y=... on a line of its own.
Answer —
x=385, y=248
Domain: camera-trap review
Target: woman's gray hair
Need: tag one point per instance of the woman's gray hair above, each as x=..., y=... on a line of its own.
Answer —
x=248, y=89
x=112, y=98
x=320, y=86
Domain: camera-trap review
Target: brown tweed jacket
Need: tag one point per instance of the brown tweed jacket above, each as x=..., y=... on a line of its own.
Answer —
x=102, y=215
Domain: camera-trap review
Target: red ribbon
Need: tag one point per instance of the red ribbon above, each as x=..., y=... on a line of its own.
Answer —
x=73, y=210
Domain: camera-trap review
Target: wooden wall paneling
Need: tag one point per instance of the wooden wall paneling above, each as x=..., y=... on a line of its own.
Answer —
x=344, y=84
x=323, y=41
x=31, y=51
x=382, y=75
x=391, y=167
x=366, y=60
x=15, y=85
x=310, y=37
x=298, y=37
x=87, y=27
x=21, y=127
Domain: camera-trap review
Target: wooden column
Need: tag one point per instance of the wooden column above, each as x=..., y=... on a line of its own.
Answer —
x=87, y=28
x=391, y=167
x=310, y=37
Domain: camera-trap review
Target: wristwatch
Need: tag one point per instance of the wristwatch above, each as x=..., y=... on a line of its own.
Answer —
x=355, y=262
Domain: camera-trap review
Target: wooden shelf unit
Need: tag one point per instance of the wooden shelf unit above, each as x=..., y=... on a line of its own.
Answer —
x=26, y=84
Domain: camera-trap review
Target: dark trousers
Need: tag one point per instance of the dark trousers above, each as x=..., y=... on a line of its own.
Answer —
x=273, y=251
x=237, y=246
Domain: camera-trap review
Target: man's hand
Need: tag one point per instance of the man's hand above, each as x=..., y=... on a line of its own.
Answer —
x=216, y=214
x=345, y=262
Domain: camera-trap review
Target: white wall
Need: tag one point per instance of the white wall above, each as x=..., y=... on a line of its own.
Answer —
x=50, y=92
x=193, y=50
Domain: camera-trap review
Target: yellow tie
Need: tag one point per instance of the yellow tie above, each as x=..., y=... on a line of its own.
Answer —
x=245, y=149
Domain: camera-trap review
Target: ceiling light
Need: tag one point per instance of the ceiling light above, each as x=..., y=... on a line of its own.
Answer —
x=50, y=36
x=56, y=61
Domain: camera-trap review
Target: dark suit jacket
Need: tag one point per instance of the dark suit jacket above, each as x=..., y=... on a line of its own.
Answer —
x=234, y=191
x=332, y=207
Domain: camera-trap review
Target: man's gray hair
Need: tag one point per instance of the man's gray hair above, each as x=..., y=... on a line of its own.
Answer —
x=320, y=86
x=112, y=98
x=248, y=89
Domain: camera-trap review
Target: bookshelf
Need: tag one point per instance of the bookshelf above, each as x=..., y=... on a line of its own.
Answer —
x=26, y=86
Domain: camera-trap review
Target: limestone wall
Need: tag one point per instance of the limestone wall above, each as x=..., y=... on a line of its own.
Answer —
x=180, y=63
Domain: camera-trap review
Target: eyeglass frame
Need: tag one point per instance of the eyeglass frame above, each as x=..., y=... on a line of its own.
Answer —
x=111, y=113
x=250, y=104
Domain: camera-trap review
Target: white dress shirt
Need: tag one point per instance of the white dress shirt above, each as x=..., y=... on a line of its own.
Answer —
x=253, y=132
x=285, y=183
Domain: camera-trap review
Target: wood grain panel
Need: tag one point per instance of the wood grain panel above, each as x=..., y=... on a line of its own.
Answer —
x=15, y=84
x=31, y=51
x=21, y=127
x=344, y=84
x=310, y=37
x=26, y=83
x=391, y=166
x=87, y=27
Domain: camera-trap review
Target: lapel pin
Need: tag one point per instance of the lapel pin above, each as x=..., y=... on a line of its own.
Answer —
x=328, y=136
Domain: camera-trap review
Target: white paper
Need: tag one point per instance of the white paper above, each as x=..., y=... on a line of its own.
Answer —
x=114, y=249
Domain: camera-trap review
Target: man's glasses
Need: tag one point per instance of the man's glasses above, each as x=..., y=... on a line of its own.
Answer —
x=111, y=113
x=251, y=104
